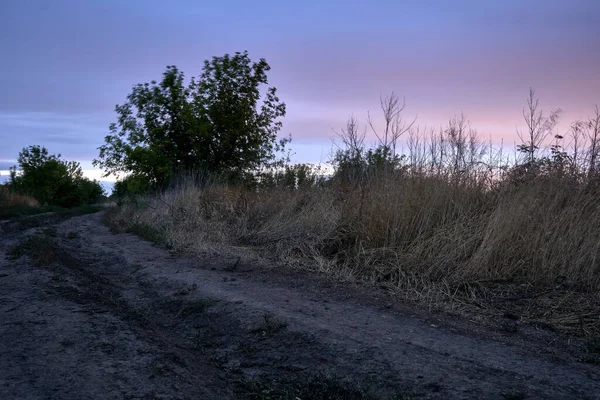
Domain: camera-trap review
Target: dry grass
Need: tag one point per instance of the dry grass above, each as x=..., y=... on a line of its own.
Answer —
x=531, y=249
x=14, y=204
x=11, y=199
x=451, y=222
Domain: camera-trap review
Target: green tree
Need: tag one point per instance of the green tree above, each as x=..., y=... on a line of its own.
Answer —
x=225, y=121
x=129, y=187
x=51, y=180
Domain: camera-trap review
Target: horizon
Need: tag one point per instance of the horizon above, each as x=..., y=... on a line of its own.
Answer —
x=329, y=62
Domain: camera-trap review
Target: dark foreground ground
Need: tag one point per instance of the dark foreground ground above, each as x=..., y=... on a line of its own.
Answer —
x=85, y=314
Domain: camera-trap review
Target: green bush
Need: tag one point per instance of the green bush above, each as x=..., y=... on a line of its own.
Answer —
x=53, y=181
x=130, y=187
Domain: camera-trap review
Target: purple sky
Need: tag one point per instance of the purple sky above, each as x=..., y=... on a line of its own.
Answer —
x=65, y=63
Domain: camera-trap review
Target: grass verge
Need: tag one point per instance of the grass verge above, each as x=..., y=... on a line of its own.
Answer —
x=529, y=251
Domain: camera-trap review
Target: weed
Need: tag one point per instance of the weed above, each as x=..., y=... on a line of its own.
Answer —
x=41, y=249
x=233, y=266
x=158, y=368
x=148, y=232
x=72, y=235
x=269, y=325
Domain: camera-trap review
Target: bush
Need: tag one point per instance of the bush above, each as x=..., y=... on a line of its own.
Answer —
x=51, y=180
x=130, y=187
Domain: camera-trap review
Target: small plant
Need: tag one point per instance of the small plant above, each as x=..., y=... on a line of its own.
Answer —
x=158, y=368
x=148, y=232
x=233, y=266
x=42, y=250
x=269, y=325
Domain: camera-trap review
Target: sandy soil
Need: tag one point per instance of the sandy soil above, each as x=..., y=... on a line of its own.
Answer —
x=114, y=317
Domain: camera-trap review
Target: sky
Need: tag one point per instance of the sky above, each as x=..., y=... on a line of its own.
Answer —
x=65, y=64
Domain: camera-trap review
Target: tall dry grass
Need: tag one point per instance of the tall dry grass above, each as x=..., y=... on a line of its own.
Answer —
x=443, y=224
x=10, y=199
x=417, y=234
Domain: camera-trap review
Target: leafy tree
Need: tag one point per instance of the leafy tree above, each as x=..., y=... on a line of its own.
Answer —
x=225, y=121
x=353, y=165
x=288, y=176
x=129, y=187
x=51, y=180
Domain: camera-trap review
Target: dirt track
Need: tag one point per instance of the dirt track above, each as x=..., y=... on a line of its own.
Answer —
x=114, y=317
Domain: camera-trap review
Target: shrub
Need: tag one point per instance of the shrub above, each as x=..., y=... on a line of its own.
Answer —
x=51, y=180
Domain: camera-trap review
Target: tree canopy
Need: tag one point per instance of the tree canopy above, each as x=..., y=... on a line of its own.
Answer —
x=224, y=121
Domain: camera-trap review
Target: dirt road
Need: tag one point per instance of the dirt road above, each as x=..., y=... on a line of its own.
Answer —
x=86, y=314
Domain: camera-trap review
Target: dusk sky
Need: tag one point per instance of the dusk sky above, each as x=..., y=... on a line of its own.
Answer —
x=65, y=64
